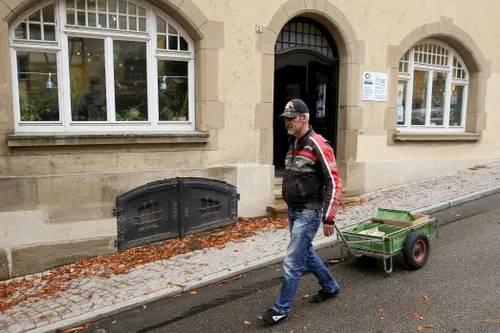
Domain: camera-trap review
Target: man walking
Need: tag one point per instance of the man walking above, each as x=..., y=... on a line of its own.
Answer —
x=312, y=190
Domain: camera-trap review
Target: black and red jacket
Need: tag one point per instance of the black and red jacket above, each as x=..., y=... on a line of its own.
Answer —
x=311, y=179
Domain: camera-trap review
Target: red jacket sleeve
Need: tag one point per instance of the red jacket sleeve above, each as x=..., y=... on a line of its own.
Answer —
x=327, y=167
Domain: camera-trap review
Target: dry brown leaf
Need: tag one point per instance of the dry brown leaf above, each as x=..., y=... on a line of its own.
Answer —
x=446, y=285
x=130, y=295
x=385, y=326
x=44, y=317
x=428, y=326
x=238, y=277
x=147, y=292
x=296, y=315
x=406, y=318
x=177, y=296
x=420, y=328
x=91, y=295
x=382, y=316
x=114, y=322
x=334, y=261
x=193, y=292
x=246, y=322
x=235, y=250
x=494, y=320
x=113, y=302
x=425, y=297
x=220, y=283
x=144, y=306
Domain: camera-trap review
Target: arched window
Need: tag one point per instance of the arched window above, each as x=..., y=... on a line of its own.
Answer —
x=302, y=33
x=432, y=88
x=101, y=65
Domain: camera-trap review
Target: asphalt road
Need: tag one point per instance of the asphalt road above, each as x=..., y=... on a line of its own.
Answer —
x=457, y=291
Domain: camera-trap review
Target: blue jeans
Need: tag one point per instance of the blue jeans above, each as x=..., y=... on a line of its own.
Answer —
x=303, y=224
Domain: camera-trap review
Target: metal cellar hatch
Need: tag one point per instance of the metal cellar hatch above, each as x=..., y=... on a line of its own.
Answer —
x=173, y=208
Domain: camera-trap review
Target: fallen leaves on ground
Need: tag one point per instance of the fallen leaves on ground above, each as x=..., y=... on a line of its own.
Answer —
x=193, y=292
x=428, y=326
x=145, y=306
x=425, y=297
x=77, y=329
x=90, y=296
x=494, y=320
x=44, y=317
x=59, y=279
x=446, y=285
x=416, y=315
x=479, y=166
x=420, y=328
x=246, y=322
x=114, y=322
x=238, y=277
x=220, y=283
x=382, y=316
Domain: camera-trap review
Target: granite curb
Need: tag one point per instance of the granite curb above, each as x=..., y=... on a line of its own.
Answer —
x=226, y=274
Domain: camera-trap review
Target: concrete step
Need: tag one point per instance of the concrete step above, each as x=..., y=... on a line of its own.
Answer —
x=277, y=183
x=277, y=210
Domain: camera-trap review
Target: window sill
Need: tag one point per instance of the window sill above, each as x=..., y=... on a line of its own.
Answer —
x=92, y=139
x=427, y=137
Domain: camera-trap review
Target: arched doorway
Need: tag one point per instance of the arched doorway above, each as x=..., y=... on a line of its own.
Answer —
x=306, y=67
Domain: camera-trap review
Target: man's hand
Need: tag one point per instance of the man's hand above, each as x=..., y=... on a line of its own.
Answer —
x=328, y=229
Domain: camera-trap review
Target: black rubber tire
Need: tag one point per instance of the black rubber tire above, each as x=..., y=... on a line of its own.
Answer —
x=416, y=250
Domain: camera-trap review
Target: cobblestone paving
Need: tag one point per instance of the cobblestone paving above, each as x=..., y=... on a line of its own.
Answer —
x=189, y=270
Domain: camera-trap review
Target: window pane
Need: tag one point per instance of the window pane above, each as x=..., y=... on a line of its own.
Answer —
x=172, y=43
x=49, y=32
x=35, y=32
x=112, y=21
x=183, y=44
x=131, y=94
x=70, y=17
x=101, y=5
x=132, y=9
x=161, y=25
x=418, y=110
x=162, y=42
x=438, y=96
x=92, y=20
x=81, y=18
x=80, y=4
x=112, y=6
x=122, y=7
x=48, y=14
x=142, y=24
x=21, y=31
x=38, y=88
x=173, y=97
x=123, y=22
x=70, y=3
x=87, y=79
x=456, y=105
x=401, y=101
x=35, y=17
x=132, y=23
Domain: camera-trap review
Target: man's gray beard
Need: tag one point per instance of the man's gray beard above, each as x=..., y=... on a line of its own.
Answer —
x=291, y=131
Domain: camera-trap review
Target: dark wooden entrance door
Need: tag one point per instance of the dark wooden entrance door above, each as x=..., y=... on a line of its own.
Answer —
x=317, y=85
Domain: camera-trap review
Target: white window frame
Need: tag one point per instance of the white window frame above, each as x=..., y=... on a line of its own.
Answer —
x=448, y=70
x=60, y=47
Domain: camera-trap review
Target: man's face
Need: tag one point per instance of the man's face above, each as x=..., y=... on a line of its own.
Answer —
x=293, y=125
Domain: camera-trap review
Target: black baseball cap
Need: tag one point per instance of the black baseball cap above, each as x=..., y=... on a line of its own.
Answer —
x=293, y=108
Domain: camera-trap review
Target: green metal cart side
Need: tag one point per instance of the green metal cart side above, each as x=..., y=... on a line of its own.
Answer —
x=412, y=241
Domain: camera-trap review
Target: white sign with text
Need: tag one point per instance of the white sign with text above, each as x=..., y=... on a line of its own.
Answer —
x=374, y=86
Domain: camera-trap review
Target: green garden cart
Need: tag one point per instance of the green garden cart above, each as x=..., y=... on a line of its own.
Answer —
x=390, y=233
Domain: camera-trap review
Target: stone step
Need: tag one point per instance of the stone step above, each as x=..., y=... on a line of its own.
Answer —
x=277, y=183
x=277, y=210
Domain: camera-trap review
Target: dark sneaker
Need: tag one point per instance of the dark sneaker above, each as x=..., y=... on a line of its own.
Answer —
x=322, y=296
x=271, y=317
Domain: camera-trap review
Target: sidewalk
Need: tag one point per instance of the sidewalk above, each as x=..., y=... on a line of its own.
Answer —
x=193, y=270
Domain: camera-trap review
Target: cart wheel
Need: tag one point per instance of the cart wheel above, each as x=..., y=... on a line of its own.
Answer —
x=416, y=250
